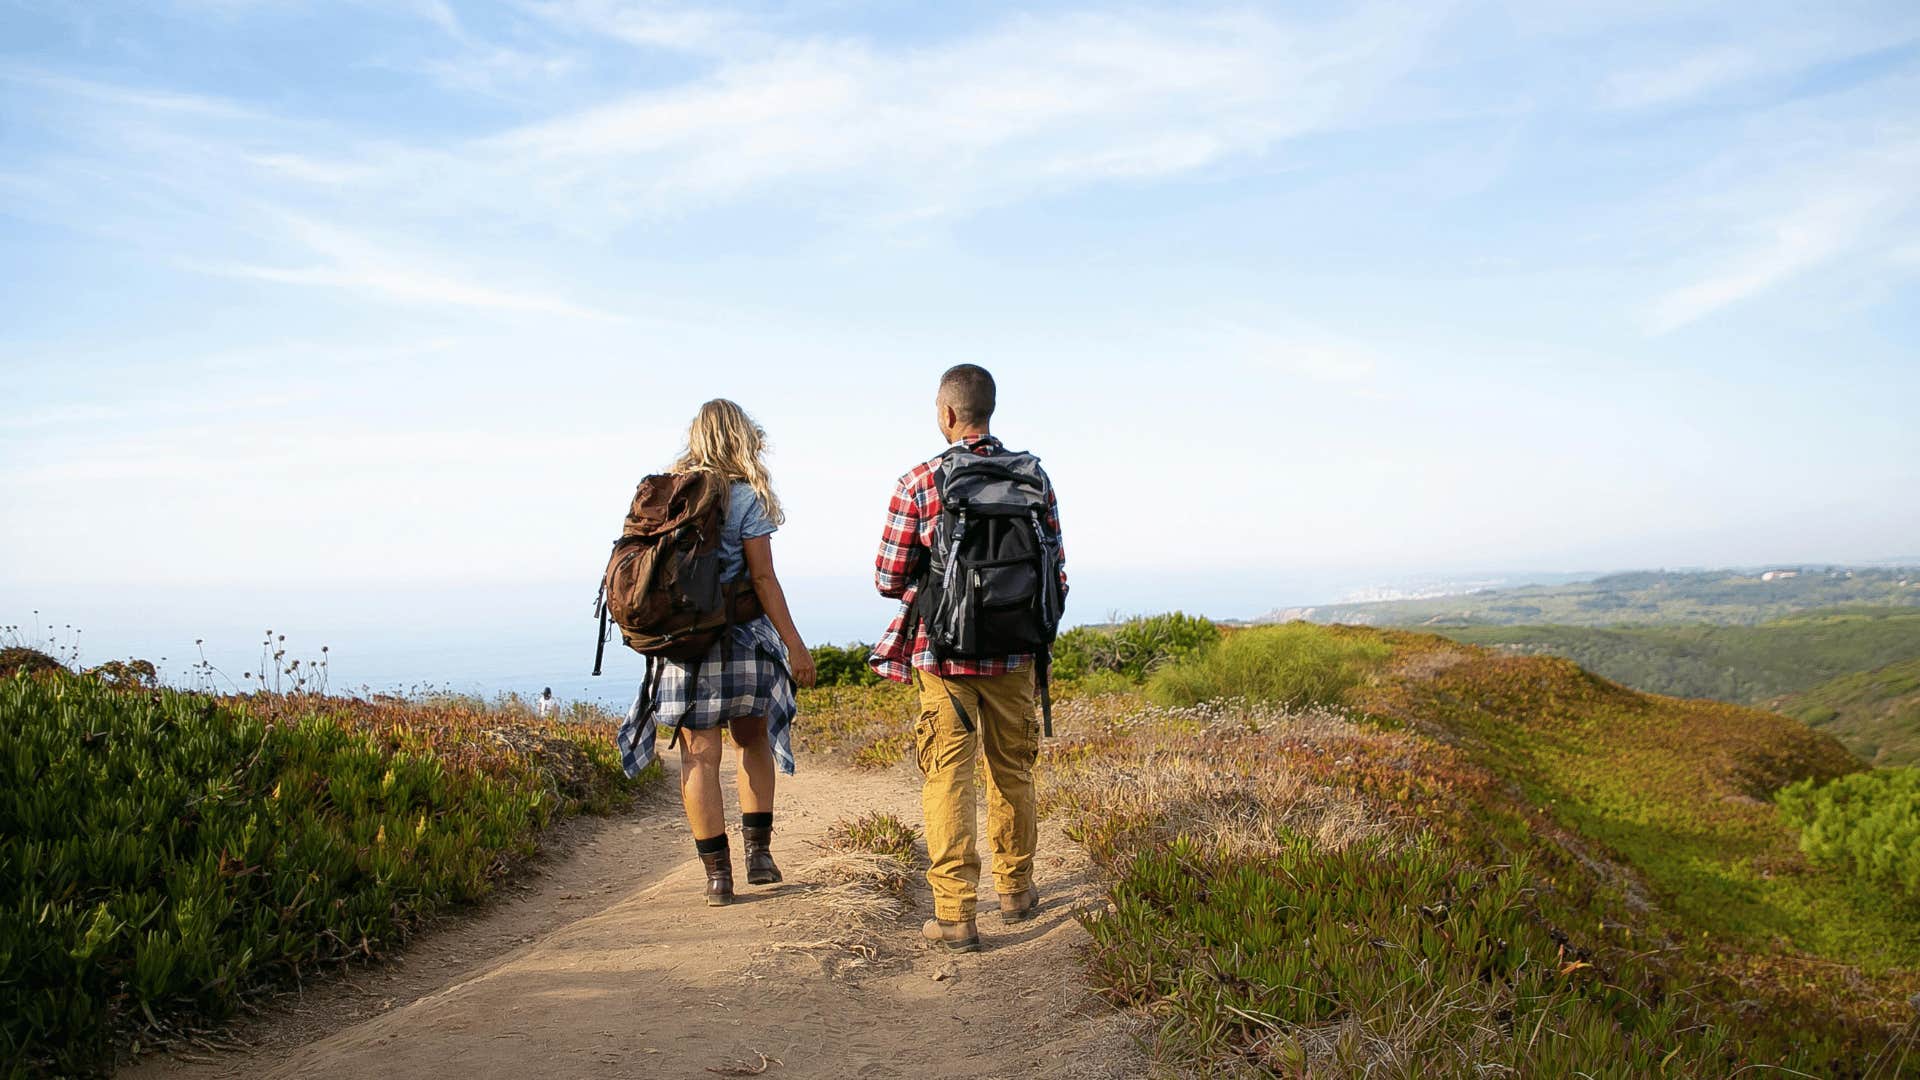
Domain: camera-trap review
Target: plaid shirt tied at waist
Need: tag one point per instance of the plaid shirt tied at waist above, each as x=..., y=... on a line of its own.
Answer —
x=905, y=542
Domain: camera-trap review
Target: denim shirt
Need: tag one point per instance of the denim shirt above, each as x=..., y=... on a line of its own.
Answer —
x=746, y=520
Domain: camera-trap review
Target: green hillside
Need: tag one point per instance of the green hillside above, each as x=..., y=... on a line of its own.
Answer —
x=1748, y=664
x=1641, y=598
x=1876, y=713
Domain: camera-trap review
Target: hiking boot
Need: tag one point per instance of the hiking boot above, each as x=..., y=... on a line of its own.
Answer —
x=719, y=866
x=760, y=867
x=1020, y=906
x=952, y=936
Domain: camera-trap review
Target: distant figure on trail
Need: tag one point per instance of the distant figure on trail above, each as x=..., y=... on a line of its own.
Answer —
x=549, y=708
x=700, y=537
x=971, y=549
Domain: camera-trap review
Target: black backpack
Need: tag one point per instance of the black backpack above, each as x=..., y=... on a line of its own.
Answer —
x=990, y=586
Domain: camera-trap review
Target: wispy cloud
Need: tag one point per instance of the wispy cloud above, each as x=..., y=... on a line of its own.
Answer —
x=127, y=97
x=1815, y=217
x=357, y=264
x=654, y=24
x=1036, y=104
x=1680, y=80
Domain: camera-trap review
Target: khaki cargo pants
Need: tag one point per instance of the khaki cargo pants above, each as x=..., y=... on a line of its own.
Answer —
x=1004, y=727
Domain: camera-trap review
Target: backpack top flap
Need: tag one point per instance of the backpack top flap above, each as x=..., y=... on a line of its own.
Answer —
x=1011, y=482
x=665, y=502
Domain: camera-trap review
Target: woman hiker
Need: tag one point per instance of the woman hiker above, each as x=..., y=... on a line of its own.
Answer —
x=745, y=684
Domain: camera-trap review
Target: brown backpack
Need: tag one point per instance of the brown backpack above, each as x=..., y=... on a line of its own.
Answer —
x=662, y=584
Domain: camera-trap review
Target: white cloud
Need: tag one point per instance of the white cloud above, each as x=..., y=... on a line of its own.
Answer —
x=1680, y=80
x=126, y=97
x=652, y=23
x=358, y=264
x=1037, y=104
x=1851, y=196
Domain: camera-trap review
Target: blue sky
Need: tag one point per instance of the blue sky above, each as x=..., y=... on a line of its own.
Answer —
x=363, y=295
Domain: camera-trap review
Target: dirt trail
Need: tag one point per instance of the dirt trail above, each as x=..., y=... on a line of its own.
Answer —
x=608, y=964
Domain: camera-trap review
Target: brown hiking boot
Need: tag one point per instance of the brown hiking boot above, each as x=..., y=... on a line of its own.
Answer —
x=952, y=936
x=760, y=867
x=1020, y=906
x=719, y=866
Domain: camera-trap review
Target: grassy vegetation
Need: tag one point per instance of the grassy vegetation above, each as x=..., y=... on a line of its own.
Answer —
x=874, y=831
x=1868, y=823
x=1295, y=664
x=1133, y=649
x=164, y=854
x=1643, y=598
x=1462, y=859
x=1876, y=713
x=843, y=665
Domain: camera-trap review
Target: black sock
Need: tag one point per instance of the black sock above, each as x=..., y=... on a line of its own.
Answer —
x=711, y=844
x=757, y=821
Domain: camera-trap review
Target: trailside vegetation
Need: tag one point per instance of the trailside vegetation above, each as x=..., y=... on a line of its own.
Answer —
x=1296, y=664
x=1868, y=823
x=1346, y=851
x=1132, y=649
x=164, y=854
x=843, y=665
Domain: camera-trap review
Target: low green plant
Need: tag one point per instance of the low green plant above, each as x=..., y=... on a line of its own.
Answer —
x=1296, y=664
x=162, y=854
x=1132, y=649
x=1383, y=955
x=1868, y=822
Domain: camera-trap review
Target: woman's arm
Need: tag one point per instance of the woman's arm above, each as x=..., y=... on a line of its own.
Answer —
x=773, y=600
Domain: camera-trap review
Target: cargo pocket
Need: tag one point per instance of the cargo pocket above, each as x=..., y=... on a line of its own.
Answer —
x=924, y=730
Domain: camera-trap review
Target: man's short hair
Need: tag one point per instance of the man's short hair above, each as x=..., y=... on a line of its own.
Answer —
x=969, y=389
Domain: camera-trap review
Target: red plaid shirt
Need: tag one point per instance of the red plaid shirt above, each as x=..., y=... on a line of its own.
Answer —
x=904, y=544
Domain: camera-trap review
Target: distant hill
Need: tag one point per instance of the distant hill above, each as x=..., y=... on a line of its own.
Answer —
x=1818, y=666
x=1876, y=713
x=1738, y=597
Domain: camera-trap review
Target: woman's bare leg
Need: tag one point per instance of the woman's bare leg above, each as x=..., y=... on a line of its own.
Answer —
x=756, y=765
x=700, y=782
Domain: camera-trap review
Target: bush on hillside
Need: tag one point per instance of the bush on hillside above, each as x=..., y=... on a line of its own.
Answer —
x=1135, y=648
x=164, y=853
x=1868, y=822
x=1297, y=664
x=843, y=665
x=22, y=659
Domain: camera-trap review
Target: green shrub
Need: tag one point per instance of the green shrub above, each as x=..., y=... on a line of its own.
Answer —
x=1868, y=822
x=165, y=853
x=1134, y=648
x=1295, y=664
x=843, y=665
x=1318, y=961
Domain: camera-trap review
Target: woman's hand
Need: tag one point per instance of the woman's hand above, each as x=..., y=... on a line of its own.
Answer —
x=800, y=662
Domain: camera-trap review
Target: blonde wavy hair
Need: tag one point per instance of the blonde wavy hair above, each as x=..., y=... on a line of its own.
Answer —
x=724, y=440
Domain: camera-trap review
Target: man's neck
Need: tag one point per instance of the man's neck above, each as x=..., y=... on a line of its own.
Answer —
x=962, y=436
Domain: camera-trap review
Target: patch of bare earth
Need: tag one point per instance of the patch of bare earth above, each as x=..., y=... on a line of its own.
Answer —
x=609, y=964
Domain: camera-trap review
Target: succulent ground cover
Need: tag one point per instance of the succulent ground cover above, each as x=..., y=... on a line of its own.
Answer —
x=165, y=854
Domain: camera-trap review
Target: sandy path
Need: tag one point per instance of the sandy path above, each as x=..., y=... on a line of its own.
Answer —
x=608, y=964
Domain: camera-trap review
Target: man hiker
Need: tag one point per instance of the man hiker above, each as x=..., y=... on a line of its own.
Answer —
x=971, y=549
x=549, y=708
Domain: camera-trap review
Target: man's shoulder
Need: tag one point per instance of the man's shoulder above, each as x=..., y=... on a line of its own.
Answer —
x=922, y=474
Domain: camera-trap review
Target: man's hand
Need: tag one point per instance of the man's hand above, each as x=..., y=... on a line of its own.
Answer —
x=800, y=662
